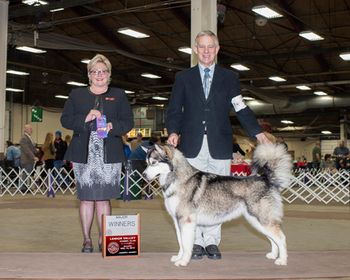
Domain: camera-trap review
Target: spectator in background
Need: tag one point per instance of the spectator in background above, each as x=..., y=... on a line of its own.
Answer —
x=341, y=152
x=13, y=155
x=28, y=150
x=28, y=156
x=48, y=149
x=60, y=149
x=67, y=139
x=316, y=155
x=327, y=162
x=126, y=146
x=137, y=141
x=280, y=140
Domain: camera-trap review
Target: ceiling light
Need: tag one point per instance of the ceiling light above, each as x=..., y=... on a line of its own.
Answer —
x=309, y=35
x=150, y=76
x=85, y=60
x=72, y=83
x=248, y=98
x=266, y=12
x=133, y=33
x=240, y=67
x=56, y=10
x=34, y=2
x=159, y=98
x=277, y=79
x=30, y=49
x=345, y=56
x=61, y=96
x=14, y=89
x=303, y=87
x=129, y=91
x=187, y=50
x=326, y=132
x=320, y=93
x=286, y=122
x=15, y=72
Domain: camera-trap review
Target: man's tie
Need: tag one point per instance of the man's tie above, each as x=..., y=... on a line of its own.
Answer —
x=206, y=81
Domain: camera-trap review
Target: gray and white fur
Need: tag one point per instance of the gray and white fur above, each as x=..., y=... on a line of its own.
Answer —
x=193, y=197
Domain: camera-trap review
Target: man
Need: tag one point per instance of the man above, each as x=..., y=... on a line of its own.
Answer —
x=28, y=150
x=28, y=155
x=341, y=152
x=199, y=108
x=137, y=141
x=316, y=155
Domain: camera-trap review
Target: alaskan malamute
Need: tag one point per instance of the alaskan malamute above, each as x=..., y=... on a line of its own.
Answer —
x=196, y=198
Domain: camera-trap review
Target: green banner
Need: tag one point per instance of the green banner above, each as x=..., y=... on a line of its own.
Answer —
x=37, y=114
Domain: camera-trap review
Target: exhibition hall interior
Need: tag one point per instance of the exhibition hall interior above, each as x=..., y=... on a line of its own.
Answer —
x=292, y=59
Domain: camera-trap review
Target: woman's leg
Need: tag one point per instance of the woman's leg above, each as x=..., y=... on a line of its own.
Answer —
x=103, y=207
x=86, y=212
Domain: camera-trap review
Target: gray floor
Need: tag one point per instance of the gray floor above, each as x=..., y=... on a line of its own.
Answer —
x=50, y=227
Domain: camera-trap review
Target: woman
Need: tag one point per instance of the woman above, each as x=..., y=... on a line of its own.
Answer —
x=96, y=161
x=48, y=151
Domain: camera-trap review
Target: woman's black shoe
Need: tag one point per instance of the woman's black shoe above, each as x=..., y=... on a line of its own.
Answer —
x=87, y=247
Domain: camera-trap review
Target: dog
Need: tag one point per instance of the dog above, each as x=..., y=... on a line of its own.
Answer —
x=193, y=197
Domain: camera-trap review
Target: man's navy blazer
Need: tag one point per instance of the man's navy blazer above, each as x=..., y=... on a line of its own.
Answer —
x=189, y=113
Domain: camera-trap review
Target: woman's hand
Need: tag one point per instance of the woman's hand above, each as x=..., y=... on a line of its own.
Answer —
x=109, y=126
x=93, y=114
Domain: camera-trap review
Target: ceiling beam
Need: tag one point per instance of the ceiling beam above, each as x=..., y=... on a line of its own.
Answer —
x=26, y=10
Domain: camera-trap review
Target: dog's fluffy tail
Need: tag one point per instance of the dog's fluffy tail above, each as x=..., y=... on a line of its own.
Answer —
x=275, y=163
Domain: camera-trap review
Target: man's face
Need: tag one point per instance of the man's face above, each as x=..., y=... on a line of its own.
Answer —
x=28, y=129
x=206, y=49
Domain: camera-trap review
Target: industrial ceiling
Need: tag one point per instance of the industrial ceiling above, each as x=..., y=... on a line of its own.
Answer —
x=268, y=47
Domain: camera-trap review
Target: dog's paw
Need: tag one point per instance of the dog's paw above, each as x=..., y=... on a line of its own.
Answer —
x=175, y=258
x=280, y=261
x=271, y=256
x=181, y=262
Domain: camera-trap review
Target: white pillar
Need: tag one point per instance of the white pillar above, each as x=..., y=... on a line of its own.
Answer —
x=203, y=17
x=4, y=5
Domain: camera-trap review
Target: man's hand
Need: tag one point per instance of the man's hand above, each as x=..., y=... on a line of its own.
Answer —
x=262, y=139
x=173, y=139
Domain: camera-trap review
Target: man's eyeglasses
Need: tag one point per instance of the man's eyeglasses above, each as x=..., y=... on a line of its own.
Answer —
x=99, y=72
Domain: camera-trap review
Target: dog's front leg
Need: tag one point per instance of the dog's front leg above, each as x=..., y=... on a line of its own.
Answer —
x=178, y=235
x=187, y=227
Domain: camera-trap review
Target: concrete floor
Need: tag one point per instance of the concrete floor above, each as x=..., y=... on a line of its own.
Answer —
x=50, y=227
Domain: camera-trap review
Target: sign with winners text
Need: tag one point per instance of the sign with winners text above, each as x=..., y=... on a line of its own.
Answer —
x=121, y=236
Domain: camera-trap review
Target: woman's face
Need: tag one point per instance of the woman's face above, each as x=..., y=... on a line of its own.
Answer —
x=99, y=75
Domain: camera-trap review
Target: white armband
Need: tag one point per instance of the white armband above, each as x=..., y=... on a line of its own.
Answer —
x=238, y=103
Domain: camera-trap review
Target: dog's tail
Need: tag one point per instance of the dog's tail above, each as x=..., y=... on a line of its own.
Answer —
x=274, y=162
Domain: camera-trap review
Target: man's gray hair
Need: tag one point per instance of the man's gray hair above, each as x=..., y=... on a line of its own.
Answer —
x=207, y=33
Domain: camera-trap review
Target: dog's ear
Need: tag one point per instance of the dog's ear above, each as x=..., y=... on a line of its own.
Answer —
x=169, y=150
x=159, y=149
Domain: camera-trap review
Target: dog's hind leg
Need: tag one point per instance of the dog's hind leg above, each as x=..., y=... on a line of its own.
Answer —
x=187, y=227
x=275, y=233
x=178, y=235
x=276, y=237
x=274, y=250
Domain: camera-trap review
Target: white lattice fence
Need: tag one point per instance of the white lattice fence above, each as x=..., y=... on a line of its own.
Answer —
x=319, y=185
x=307, y=185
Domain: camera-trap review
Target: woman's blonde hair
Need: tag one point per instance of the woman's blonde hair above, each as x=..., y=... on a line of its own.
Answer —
x=48, y=140
x=99, y=58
